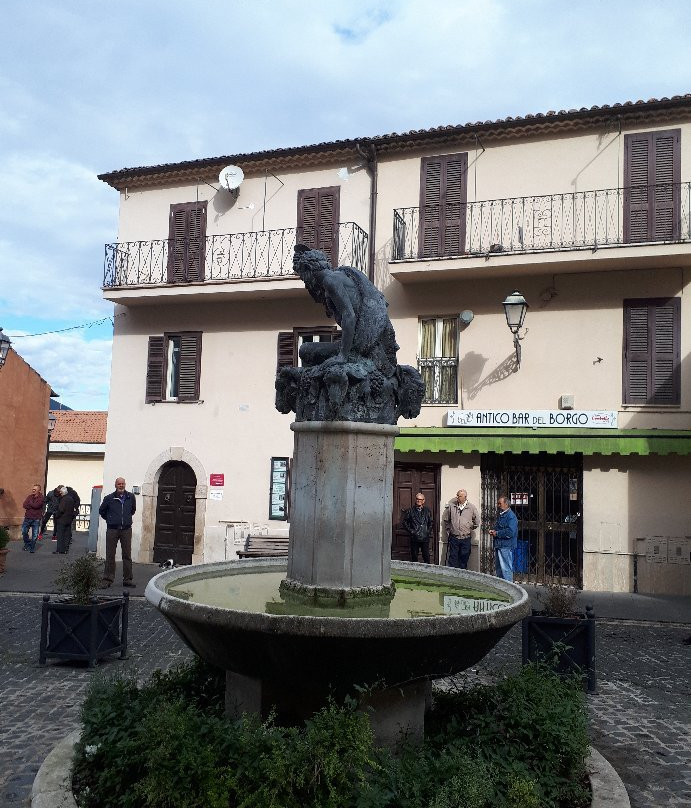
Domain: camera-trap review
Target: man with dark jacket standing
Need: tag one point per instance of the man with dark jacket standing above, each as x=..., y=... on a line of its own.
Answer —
x=419, y=525
x=63, y=521
x=52, y=503
x=118, y=509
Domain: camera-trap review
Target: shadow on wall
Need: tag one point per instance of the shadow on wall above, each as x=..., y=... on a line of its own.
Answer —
x=471, y=368
x=382, y=276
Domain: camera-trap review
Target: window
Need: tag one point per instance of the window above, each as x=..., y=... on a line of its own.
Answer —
x=289, y=342
x=443, y=193
x=652, y=371
x=173, y=367
x=279, y=488
x=186, y=242
x=318, y=215
x=651, y=178
x=438, y=359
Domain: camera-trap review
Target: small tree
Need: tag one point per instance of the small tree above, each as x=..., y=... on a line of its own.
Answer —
x=80, y=578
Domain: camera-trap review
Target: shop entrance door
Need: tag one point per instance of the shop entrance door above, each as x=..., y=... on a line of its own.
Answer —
x=546, y=494
x=408, y=479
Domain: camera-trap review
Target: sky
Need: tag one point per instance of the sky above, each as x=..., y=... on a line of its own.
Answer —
x=88, y=87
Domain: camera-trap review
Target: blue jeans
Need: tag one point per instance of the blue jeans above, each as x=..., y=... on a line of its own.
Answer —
x=459, y=552
x=503, y=557
x=34, y=524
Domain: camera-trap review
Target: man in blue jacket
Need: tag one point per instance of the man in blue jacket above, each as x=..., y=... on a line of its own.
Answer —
x=505, y=536
x=118, y=509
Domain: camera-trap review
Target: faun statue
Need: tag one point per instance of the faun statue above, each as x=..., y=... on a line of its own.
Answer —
x=356, y=378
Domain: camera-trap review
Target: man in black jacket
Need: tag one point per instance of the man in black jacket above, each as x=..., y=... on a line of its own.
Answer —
x=419, y=525
x=118, y=509
x=63, y=521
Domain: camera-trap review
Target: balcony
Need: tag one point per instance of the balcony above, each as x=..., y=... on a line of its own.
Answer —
x=222, y=265
x=552, y=231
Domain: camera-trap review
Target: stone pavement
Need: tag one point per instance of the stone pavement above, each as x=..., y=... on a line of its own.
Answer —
x=640, y=718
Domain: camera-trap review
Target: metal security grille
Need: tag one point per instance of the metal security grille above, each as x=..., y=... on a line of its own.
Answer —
x=546, y=494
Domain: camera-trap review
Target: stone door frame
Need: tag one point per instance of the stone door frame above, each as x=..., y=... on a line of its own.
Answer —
x=150, y=497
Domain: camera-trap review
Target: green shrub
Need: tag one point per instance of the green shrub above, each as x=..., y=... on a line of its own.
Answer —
x=518, y=744
x=80, y=578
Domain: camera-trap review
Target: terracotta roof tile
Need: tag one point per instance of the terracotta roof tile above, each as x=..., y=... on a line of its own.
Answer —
x=79, y=426
x=119, y=178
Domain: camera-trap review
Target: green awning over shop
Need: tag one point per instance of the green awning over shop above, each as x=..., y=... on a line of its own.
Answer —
x=550, y=441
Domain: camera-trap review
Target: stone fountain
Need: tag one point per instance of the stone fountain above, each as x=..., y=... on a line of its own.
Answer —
x=340, y=617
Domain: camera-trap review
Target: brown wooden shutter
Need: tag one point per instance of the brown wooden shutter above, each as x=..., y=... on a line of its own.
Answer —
x=190, y=365
x=652, y=343
x=187, y=242
x=443, y=197
x=285, y=350
x=652, y=173
x=155, y=369
x=318, y=218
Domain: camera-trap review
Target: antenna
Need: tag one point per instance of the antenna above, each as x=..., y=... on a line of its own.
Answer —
x=231, y=178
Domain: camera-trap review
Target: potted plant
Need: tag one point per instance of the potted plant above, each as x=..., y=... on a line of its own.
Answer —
x=4, y=541
x=562, y=633
x=81, y=626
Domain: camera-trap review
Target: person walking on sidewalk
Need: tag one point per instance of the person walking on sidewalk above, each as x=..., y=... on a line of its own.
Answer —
x=460, y=518
x=118, y=509
x=63, y=521
x=33, y=511
x=505, y=535
x=52, y=502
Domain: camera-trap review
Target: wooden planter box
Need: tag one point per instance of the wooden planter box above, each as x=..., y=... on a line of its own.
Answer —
x=541, y=634
x=77, y=632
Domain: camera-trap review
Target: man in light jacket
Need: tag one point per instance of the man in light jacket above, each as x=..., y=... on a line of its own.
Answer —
x=460, y=518
x=505, y=535
x=118, y=509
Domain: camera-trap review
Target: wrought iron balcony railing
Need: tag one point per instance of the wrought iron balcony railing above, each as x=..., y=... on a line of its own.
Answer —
x=440, y=375
x=263, y=254
x=579, y=220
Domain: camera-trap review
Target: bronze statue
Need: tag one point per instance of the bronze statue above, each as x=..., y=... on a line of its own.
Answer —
x=356, y=378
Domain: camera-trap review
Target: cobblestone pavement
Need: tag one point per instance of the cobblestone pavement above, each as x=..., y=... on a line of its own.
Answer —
x=640, y=719
x=40, y=704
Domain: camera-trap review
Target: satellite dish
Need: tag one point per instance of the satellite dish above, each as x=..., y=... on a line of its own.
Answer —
x=231, y=177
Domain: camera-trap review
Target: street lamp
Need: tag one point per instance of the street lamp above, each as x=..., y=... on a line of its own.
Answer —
x=4, y=347
x=515, y=308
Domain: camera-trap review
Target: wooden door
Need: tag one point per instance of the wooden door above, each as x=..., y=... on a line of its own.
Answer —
x=175, y=513
x=186, y=242
x=410, y=478
x=318, y=217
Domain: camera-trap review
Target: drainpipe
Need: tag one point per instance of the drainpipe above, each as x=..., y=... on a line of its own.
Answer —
x=373, y=171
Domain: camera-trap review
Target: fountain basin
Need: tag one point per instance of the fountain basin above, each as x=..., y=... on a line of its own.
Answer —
x=321, y=654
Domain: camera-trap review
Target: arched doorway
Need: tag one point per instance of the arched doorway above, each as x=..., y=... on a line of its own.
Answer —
x=175, y=513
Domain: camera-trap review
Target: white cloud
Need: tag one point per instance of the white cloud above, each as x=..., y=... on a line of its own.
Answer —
x=58, y=284
x=78, y=369
x=48, y=195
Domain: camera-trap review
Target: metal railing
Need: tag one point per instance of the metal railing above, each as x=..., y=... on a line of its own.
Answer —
x=84, y=517
x=262, y=254
x=571, y=221
x=440, y=376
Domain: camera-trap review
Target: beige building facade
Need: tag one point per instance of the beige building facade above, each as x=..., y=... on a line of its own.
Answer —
x=586, y=213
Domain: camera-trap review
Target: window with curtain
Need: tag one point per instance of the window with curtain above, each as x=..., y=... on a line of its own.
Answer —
x=438, y=359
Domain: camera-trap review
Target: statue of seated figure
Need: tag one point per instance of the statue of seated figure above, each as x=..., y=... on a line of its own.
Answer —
x=356, y=378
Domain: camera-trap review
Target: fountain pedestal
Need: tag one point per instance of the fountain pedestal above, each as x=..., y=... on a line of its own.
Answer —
x=341, y=502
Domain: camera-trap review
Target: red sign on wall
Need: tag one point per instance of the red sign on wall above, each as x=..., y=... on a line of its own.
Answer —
x=217, y=479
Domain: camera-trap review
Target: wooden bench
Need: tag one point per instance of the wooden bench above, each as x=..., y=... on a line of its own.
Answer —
x=264, y=547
